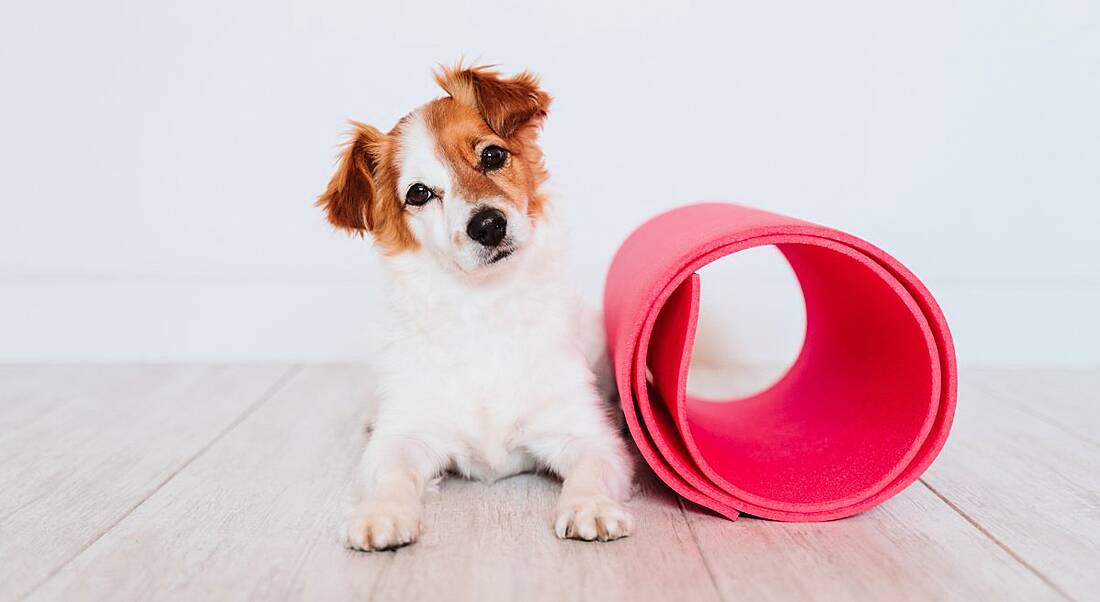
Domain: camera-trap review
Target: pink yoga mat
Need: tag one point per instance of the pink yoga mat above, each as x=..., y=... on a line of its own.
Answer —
x=859, y=415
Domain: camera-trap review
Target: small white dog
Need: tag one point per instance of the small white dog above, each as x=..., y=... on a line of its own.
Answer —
x=488, y=359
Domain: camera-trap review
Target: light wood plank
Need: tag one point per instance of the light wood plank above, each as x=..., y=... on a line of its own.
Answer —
x=254, y=517
x=81, y=446
x=27, y=392
x=913, y=547
x=496, y=543
x=1028, y=482
x=1010, y=512
x=1065, y=397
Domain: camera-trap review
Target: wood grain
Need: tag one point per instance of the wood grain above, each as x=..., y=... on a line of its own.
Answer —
x=913, y=547
x=1067, y=398
x=254, y=517
x=1032, y=485
x=496, y=543
x=225, y=483
x=82, y=446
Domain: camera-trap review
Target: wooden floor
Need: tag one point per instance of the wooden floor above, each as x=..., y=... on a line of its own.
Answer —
x=227, y=482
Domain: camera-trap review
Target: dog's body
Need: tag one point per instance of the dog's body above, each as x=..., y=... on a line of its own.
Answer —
x=487, y=356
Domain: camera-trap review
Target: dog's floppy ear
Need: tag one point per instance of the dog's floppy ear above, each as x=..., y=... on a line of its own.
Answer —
x=349, y=199
x=506, y=104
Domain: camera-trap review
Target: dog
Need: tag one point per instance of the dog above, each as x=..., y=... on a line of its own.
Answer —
x=488, y=360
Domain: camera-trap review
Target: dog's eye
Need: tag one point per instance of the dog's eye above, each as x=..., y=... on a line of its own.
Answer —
x=418, y=194
x=493, y=157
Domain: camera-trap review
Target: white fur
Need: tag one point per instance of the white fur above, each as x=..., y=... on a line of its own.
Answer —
x=485, y=370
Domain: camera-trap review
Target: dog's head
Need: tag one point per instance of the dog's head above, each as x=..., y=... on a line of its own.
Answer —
x=457, y=178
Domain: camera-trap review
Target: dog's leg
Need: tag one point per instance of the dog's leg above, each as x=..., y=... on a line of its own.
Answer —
x=393, y=474
x=596, y=479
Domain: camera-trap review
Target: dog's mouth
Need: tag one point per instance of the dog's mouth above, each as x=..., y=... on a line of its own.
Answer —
x=501, y=255
x=487, y=259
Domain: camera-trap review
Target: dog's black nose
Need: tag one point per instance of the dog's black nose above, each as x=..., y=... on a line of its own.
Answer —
x=487, y=227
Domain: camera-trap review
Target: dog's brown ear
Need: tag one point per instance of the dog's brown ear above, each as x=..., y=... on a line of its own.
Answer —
x=506, y=104
x=351, y=192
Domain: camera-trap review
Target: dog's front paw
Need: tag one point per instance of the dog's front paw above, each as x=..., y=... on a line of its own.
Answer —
x=592, y=517
x=382, y=526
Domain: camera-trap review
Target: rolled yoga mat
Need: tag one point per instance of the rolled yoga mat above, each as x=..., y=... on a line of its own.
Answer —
x=860, y=414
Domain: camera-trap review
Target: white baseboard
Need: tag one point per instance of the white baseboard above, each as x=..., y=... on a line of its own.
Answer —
x=158, y=320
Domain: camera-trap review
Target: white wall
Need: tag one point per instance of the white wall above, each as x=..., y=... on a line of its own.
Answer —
x=160, y=159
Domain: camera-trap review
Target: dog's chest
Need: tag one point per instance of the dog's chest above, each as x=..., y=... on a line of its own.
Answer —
x=481, y=365
x=491, y=445
x=502, y=387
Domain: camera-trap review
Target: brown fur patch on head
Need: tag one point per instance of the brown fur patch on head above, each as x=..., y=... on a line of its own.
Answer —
x=362, y=194
x=485, y=109
x=506, y=104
